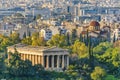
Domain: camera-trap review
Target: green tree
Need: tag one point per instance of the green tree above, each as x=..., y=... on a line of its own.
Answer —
x=72, y=70
x=37, y=40
x=81, y=38
x=110, y=77
x=114, y=38
x=15, y=38
x=73, y=36
x=88, y=39
x=98, y=73
x=24, y=35
x=35, y=35
x=29, y=33
x=13, y=63
x=116, y=57
x=68, y=39
x=111, y=60
x=38, y=68
x=27, y=41
x=80, y=49
x=91, y=56
x=101, y=48
x=2, y=65
x=57, y=40
x=4, y=42
x=21, y=68
x=79, y=68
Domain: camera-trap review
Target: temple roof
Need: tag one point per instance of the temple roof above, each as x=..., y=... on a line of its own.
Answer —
x=37, y=49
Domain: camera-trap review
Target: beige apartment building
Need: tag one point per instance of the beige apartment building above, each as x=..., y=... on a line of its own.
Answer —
x=50, y=58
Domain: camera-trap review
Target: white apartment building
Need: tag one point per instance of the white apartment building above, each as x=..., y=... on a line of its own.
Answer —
x=58, y=30
x=115, y=34
x=46, y=34
x=6, y=28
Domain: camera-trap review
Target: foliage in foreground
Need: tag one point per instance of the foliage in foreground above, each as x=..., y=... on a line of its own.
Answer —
x=106, y=60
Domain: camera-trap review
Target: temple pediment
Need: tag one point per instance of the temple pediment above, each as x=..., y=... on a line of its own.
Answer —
x=55, y=49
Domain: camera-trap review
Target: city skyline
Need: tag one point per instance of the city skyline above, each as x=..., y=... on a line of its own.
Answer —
x=60, y=39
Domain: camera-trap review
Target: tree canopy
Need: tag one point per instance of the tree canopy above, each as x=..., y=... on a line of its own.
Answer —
x=98, y=73
x=80, y=49
x=57, y=40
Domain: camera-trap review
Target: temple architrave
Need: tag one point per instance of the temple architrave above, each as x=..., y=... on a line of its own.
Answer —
x=50, y=58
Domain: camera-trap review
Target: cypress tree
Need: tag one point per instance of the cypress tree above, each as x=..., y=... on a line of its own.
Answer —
x=24, y=35
x=81, y=38
x=89, y=48
x=114, y=38
x=74, y=36
x=29, y=33
x=88, y=38
x=68, y=39
x=91, y=57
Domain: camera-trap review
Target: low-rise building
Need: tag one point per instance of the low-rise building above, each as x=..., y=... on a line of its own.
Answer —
x=96, y=33
x=115, y=35
x=6, y=28
x=46, y=34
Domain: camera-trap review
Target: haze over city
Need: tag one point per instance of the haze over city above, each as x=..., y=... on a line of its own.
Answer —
x=59, y=39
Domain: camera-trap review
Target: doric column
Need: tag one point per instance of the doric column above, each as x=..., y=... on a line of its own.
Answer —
x=63, y=61
x=27, y=55
x=58, y=59
x=43, y=60
x=52, y=61
x=20, y=56
x=38, y=59
x=67, y=60
x=47, y=61
x=33, y=59
x=30, y=58
x=24, y=56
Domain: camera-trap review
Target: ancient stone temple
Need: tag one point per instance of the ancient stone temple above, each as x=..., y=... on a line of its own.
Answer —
x=50, y=58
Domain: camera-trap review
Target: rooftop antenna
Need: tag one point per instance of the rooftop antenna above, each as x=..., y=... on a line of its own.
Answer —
x=25, y=14
x=33, y=13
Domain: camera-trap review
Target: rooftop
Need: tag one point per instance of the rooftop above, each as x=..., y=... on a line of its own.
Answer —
x=23, y=47
x=94, y=23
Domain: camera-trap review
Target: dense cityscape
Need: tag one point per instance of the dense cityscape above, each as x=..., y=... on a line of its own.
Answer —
x=60, y=40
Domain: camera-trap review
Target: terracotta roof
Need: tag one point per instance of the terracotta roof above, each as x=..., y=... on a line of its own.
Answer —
x=94, y=23
x=84, y=32
x=117, y=43
x=106, y=26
